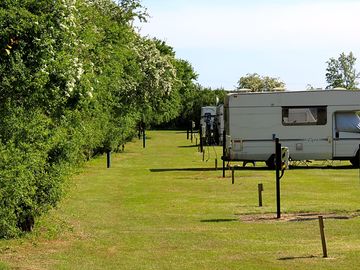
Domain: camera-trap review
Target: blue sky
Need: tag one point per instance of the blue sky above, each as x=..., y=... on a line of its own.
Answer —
x=226, y=39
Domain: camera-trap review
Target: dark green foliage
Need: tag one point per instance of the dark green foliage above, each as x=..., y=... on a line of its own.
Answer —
x=76, y=80
x=257, y=83
x=192, y=99
x=205, y=97
x=29, y=183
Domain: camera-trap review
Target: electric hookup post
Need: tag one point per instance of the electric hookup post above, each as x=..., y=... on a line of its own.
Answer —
x=192, y=126
x=260, y=190
x=144, y=137
x=282, y=163
x=224, y=152
x=187, y=133
x=108, y=158
x=201, y=138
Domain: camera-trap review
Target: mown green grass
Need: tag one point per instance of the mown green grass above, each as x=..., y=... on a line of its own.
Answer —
x=157, y=208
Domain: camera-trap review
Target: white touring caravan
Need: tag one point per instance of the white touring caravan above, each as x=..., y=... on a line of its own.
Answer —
x=207, y=124
x=208, y=115
x=314, y=125
x=219, y=119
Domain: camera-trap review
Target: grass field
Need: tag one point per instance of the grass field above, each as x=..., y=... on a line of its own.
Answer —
x=164, y=208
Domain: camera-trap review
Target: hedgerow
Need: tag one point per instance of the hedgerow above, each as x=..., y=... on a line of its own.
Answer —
x=76, y=79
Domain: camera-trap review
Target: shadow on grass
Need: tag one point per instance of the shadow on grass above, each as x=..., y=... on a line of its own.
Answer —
x=187, y=146
x=219, y=220
x=296, y=217
x=316, y=218
x=315, y=167
x=183, y=170
x=240, y=168
x=297, y=257
x=328, y=167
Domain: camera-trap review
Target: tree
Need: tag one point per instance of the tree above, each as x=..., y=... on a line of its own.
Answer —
x=341, y=72
x=157, y=100
x=186, y=78
x=76, y=79
x=68, y=69
x=258, y=83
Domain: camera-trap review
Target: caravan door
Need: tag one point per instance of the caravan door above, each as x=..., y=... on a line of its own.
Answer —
x=346, y=134
x=307, y=132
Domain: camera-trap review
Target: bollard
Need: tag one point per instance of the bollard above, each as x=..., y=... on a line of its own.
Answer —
x=215, y=164
x=201, y=139
x=108, y=159
x=278, y=166
x=224, y=152
x=203, y=152
x=144, y=138
x=191, y=130
x=233, y=175
x=223, y=168
x=260, y=190
x=322, y=234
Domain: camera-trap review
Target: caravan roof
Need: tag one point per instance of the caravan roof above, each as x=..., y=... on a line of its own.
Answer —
x=293, y=98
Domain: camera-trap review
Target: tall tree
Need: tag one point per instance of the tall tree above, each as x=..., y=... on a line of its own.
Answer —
x=76, y=77
x=258, y=83
x=341, y=72
x=157, y=99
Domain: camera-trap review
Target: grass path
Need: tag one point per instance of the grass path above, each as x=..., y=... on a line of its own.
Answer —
x=157, y=208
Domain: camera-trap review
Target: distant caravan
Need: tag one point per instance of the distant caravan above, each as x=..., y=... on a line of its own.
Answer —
x=314, y=125
x=219, y=126
x=208, y=124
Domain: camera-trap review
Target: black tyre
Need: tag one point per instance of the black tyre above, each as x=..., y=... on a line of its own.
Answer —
x=271, y=162
x=355, y=160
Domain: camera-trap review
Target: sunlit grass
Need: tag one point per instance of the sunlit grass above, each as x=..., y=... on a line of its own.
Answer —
x=164, y=208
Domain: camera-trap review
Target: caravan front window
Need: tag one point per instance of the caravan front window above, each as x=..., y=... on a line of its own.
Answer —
x=304, y=116
x=347, y=121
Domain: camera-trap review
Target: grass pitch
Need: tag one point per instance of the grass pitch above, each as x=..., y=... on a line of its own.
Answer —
x=162, y=207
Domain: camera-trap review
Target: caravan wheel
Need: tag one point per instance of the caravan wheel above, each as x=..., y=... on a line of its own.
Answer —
x=271, y=162
x=355, y=160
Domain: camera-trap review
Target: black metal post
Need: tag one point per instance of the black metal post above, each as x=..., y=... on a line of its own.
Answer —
x=233, y=175
x=278, y=167
x=191, y=132
x=144, y=137
x=108, y=159
x=224, y=151
x=191, y=129
x=187, y=133
x=201, y=139
x=322, y=234
x=260, y=190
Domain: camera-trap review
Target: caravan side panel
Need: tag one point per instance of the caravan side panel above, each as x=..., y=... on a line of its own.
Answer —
x=253, y=120
x=251, y=130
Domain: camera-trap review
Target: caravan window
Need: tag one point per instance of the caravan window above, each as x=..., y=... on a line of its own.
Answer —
x=347, y=121
x=303, y=116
